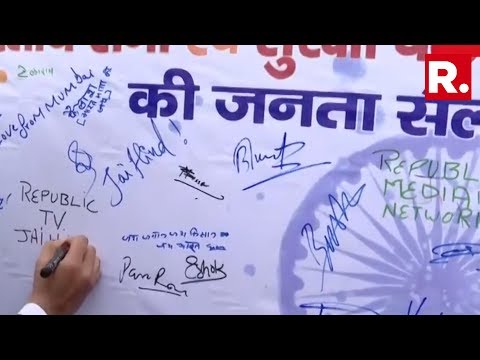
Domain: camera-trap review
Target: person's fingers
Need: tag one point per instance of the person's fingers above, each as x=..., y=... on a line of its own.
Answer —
x=89, y=261
x=78, y=249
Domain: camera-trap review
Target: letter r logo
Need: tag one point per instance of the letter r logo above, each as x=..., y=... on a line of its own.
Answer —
x=448, y=77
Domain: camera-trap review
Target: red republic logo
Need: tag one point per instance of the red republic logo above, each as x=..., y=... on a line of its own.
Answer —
x=448, y=72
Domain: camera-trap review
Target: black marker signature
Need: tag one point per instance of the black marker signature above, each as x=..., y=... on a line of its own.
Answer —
x=158, y=286
x=196, y=273
x=221, y=197
x=189, y=175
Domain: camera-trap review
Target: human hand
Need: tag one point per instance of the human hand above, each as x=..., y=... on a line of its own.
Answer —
x=64, y=291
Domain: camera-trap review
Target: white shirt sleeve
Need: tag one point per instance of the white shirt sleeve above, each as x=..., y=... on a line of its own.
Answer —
x=32, y=309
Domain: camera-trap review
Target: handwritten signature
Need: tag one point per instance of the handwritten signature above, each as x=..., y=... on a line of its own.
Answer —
x=446, y=251
x=197, y=272
x=138, y=155
x=82, y=161
x=189, y=174
x=337, y=215
x=342, y=308
x=157, y=286
x=245, y=159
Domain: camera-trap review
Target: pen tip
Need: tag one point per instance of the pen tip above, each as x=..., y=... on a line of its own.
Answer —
x=45, y=272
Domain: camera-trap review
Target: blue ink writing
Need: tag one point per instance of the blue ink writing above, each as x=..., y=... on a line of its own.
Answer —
x=338, y=214
x=88, y=101
x=216, y=247
x=26, y=123
x=446, y=251
x=417, y=312
x=4, y=201
x=342, y=308
x=138, y=155
x=179, y=239
x=174, y=234
x=245, y=159
x=82, y=161
x=189, y=245
x=285, y=173
x=107, y=71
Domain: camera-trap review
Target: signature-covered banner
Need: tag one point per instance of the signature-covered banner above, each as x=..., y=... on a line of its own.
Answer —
x=241, y=179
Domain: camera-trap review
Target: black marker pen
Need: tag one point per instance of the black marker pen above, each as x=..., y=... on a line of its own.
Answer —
x=55, y=260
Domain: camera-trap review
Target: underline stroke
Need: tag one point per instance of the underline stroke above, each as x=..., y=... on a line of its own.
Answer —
x=158, y=290
x=206, y=193
x=286, y=173
x=200, y=281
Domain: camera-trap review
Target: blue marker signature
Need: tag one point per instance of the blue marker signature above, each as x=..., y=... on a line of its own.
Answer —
x=336, y=222
x=4, y=201
x=343, y=308
x=138, y=155
x=447, y=251
x=417, y=312
x=245, y=159
x=82, y=161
